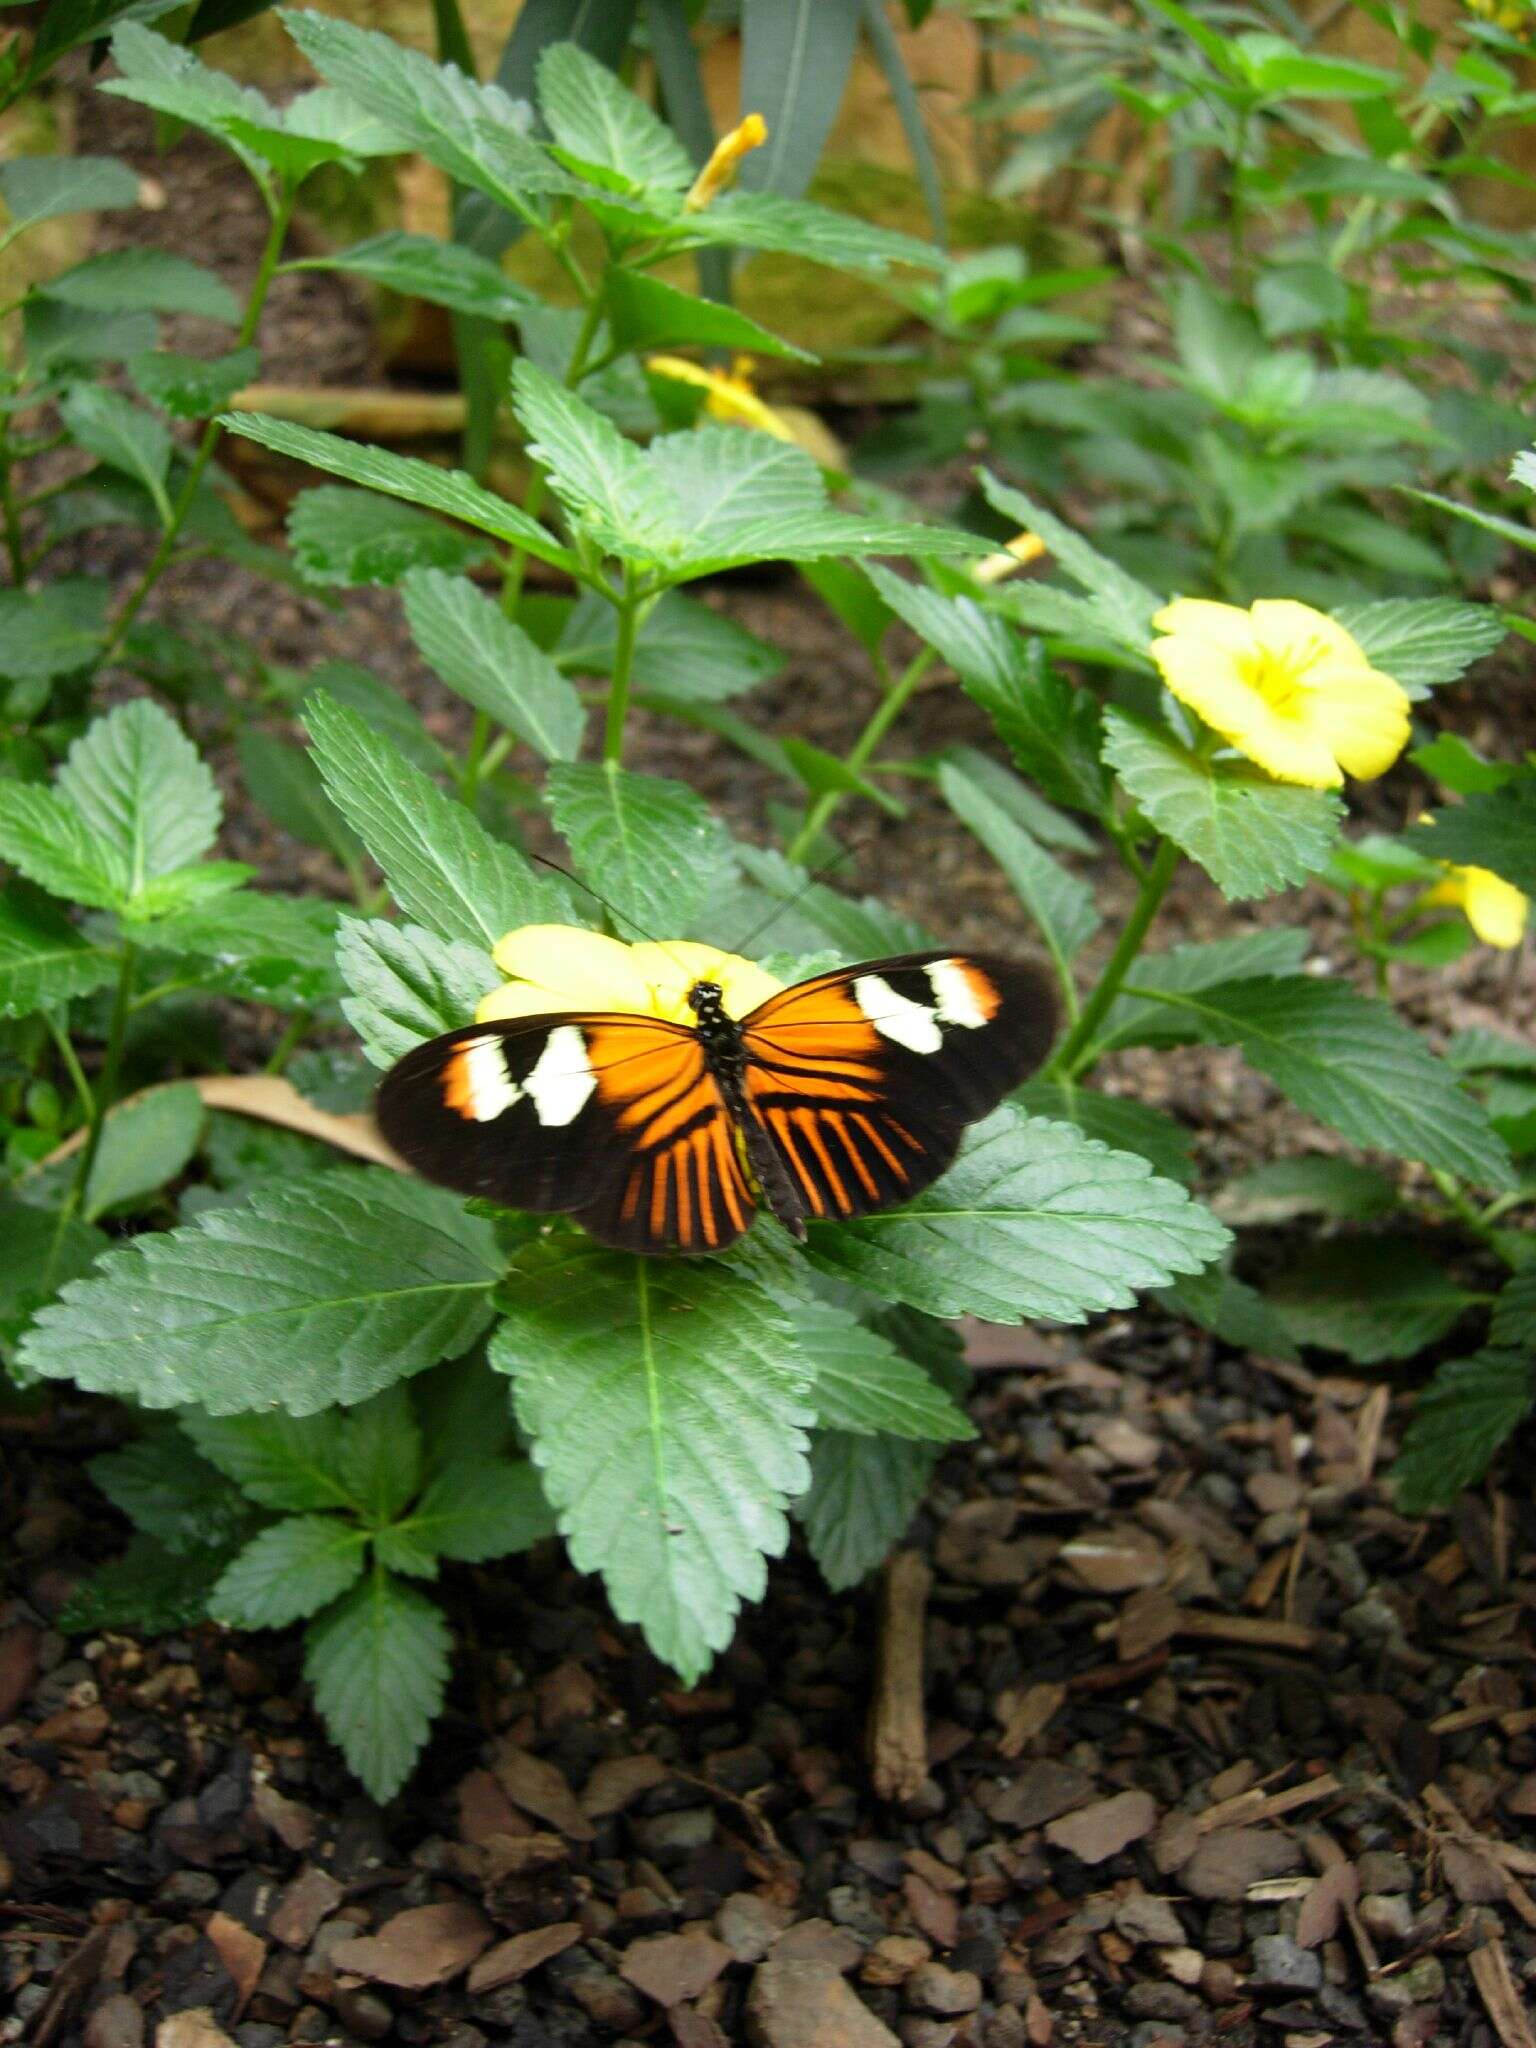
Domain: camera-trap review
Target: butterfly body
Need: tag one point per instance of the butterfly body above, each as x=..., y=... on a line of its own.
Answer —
x=839, y=1096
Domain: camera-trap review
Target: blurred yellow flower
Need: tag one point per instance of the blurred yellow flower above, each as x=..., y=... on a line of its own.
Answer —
x=1495, y=909
x=553, y=967
x=731, y=396
x=1508, y=15
x=750, y=133
x=1023, y=548
x=1286, y=685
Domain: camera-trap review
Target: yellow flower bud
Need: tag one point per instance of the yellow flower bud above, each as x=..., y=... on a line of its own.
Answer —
x=748, y=134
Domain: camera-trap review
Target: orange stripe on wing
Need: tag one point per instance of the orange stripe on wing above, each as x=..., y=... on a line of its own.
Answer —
x=856, y=1159
x=779, y=1119
x=870, y=1130
x=810, y=1128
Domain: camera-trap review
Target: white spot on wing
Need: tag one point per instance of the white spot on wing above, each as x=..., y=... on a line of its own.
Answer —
x=897, y=1017
x=562, y=1079
x=491, y=1091
x=956, y=998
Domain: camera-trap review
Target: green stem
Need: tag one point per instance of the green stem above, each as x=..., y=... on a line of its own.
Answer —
x=883, y=717
x=623, y=665
x=106, y=1086
x=71, y=1063
x=533, y=498
x=474, y=760
x=1466, y=1211
x=282, y=213
x=13, y=544
x=289, y=1043
x=1069, y=1057
x=1365, y=209
x=452, y=37
x=1237, y=205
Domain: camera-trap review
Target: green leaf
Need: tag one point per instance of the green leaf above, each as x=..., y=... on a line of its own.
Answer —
x=383, y=708
x=407, y=984
x=1125, y=604
x=148, y=1588
x=287, y=1462
x=1012, y=795
x=795, y=62
x=1465, y=1413
x=650, y=846
x=288, y=1572
x=689, y=653
x=1279, y=70
x=480, y=1508
x=308, y=1293
x=192, y=387
x=811, y=914
x=424, y=267
x=1314, y=1185
x=798, y=227
x=283, y=780
x=864, y=1491
x=402, y=476
x=465, y=1411
x=601, y=123
x=1251, y=835
x=266, y=948
x=241, y=1152
x=121, y=434
x=1514, y=1313
x=378, y=1661
x=666, y=1409
x=47, y=840
x=646, y=313
x=865, y=1386
x=38, y=188
x=1496, y=830
x=1137, y=1020
x=52, y=631
x=164, y=1488
x=350, y=537
x=1060, y=904
x=379, y=1455
x=1033, y=1220
x=1423, y=641
x=478, y=651
x=44, y=961
x=144, y=1145
x=1373, y=1298
x=126, y=280
x=443, y=868
x=43, y=1249
x=159, y=74
x=1352, y=1063
x=139, y=785
x=1297, y=298
x=1231, y=1310
x=1119, y=1121
x=607, y=485
x=1458, y=767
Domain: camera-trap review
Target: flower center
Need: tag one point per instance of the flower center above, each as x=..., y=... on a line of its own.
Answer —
x=1279, y=680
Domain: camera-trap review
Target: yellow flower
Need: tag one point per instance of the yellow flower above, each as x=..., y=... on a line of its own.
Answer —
x=1495, y=909
x=731, y=396
x=1024, y=547
x=1286, y=685
x=749, y=134
x=552, y=967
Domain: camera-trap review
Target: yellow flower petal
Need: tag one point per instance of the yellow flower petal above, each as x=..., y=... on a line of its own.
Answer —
x=1202, y=618
x=1024, y=547
x=1496, y=909
x=1211, y=680
x=730, y=397
x=1361, y=715
x=671, y=968
x=555, y=967
x=749, y=134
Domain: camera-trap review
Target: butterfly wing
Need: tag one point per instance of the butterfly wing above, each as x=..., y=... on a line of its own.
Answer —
x=615, y=1118
x=866, y=1077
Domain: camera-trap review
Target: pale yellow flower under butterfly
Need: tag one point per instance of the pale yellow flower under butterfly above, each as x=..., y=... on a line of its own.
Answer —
x=1286, y=685
x=555, y=967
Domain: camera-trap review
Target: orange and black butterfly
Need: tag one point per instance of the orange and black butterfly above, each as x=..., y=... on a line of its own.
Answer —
x=843, y=1094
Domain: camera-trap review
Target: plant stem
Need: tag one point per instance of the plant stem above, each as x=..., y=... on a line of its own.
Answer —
x=1237, y=205
x=1466, y=1211
x=474, y=760
x=533, y=498
x=289, y=1043
x=883, y=717
x=13, y=546
x=623, y=664
x=1068, y=1059
x=71, y=1063
x=106, y=1085
x=213, y=433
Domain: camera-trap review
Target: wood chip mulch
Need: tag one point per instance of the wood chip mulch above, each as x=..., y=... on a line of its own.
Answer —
x=1165, y=1728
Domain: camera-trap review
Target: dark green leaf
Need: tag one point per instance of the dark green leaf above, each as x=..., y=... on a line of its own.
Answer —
x=287, y=1462
x=1496, y=830
x=125, y=280
x=379, y=1455
x=423, y=267
x=349, y=537
x=38, y=188
x=1465, y=1413
x=378, y=1661
x=478, y=651
x=651, y=847
x=480, y=1508
x=646, y=313
x=288, y=1572
x=138, y=783
x=407, y=984
x=1316, y=1185
x=148, y=1588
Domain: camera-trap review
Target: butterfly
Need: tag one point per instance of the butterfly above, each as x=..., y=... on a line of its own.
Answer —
x=838, y=1096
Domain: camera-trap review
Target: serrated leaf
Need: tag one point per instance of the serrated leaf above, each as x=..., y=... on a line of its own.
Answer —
x=1061, y=905
x=425, y=267
x=666, y=1409
x=241, y=1152
x=287, y=1462
x=864, y=1385
x=1423, y=641
x=1315, y=1185
x=1353, y=1063
x=288, y=1572
x=378, y=1662
x=124, y=280
x=38, y=188
x=379, y=1455
x=864, y=1491
x=308, y=1293
x=277, y=949
x=1032, y=1220
x=682, y=649
x=44, y=960
x=160, y=74
x=148, y=1588
x=478, y=651
x=142, y=790
x=599, y=121
x=607, y=485
x=1496, y=830
x=283, y=780
x=144, y=1144
x=1462, y=1417
x=342, y=536
x=46, y=839
x=191, y=889
x=1231, y=1310
x=651, y=847
x=43, y=1249
x=164, y=1488
x=1371, y=1298
x=465, y=1411
x=810, y=915
x=1126, y=605
x=407, y=984
x=646, y=313
x=444, y=870
x=383, y=708
x=52, y=631
x=1251, y=835
x=1140, y=1020
x=402, y=476
x=480, y=1508
x=115, y=430
x=799, y=227
x=1514, y=1313
x=1119, y=1121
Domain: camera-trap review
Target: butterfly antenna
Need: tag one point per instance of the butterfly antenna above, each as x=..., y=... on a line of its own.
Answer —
x=788, y=903
x=618, y=916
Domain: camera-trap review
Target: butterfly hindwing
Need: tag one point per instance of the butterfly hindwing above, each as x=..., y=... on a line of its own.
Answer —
x=614, y=1117
x=866, y=1077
